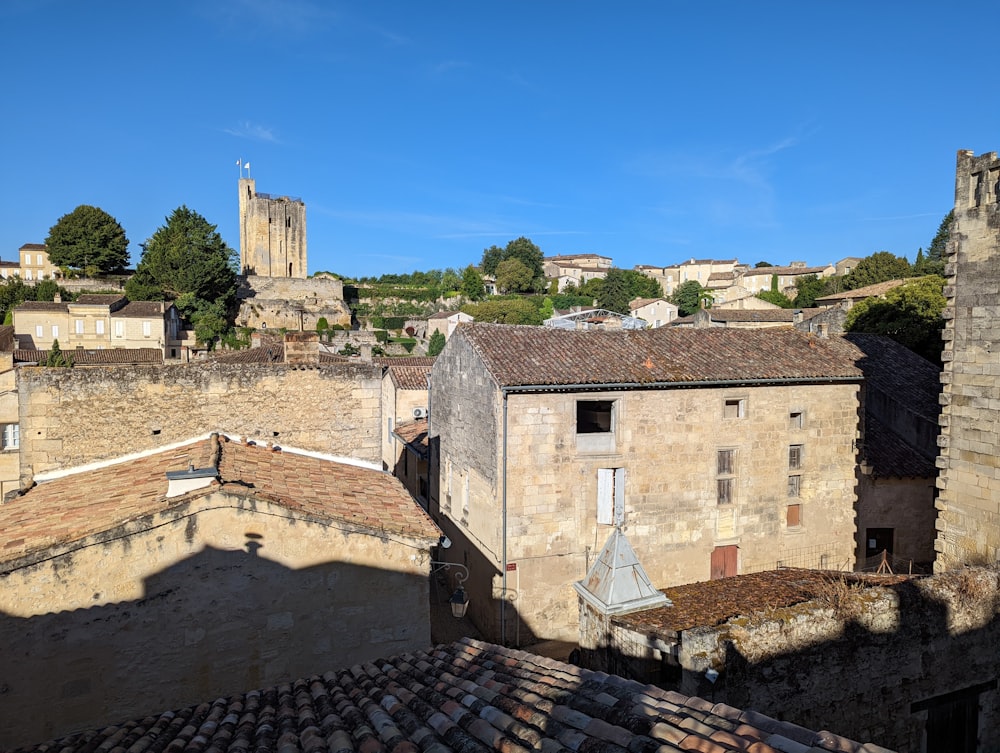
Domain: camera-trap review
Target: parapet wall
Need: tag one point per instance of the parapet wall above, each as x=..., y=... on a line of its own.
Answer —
x=70, y=417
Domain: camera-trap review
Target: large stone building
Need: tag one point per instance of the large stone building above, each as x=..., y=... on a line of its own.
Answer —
x=272, y=233
x=969, y=482
x=719, y=451
x=200, y=569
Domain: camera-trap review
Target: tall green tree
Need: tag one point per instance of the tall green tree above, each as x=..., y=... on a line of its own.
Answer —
x=879, y=267
x=436, y=343
x=910, y=314
x=521, y=249
x=807, y=289
x=688, y=296
x=88, y=238
x=492, y=257
x=933, y=261
x=187, y=262
x=510, y=311
x=472, y=284
x=615, y=294
x=513, y=276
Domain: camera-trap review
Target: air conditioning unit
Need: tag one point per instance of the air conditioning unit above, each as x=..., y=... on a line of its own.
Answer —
x=420, y=413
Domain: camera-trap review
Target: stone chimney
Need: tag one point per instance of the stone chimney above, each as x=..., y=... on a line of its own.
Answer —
x=57, y=299
x=302, y=348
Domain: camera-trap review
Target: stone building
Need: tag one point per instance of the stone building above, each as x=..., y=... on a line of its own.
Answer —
x=35, y=264
x=291, y=304
x=272, y=233
x=96, y=321
x=10, y=422
x=657, y=312
x=200, y=569
x=969, y=482
x=720, y=451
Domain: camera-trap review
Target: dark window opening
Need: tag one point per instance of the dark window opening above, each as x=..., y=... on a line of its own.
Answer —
x=594, y=416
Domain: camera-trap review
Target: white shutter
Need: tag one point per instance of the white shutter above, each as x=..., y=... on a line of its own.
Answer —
x=605, y=495
x=619, y=496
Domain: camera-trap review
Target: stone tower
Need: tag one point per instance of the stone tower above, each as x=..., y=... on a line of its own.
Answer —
x=969, y=483
x=272, y=234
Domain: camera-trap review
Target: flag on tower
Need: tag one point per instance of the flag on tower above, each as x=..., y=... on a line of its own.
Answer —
x=239, y=162
x=247, y=165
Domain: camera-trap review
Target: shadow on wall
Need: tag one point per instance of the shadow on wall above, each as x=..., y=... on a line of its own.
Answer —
x=928, y=682
x=217, y=623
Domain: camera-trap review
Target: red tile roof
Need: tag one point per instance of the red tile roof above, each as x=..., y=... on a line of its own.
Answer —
x=525, y=356
x=98, y=299
x=413, y=433
x=427, y=361
x=97, y=357
x=69, y=508
x=868, y=291
x=142, y=309
x=466, y=696
x=409, y=377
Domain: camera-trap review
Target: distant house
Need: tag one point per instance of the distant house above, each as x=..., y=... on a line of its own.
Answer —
x=575, y=269
x=658, y=312
x=96, y=321
x=746, y=318
x=35, y=264
x=847, y=298
x=720, y=451
x=446, y=321
x=213, y=565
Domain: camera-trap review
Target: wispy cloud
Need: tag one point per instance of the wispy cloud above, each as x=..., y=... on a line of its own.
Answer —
x=270, y=17
x=253, y=132
x=446, y=66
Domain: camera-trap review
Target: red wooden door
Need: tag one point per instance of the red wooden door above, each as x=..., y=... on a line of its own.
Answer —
x=724, y=561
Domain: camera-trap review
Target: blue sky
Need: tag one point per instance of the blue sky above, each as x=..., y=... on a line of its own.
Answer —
x=419, y=133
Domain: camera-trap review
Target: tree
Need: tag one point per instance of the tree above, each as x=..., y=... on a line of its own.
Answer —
x=910, y=314
x=13, y=292
x=436, y=343
x=933, y=263
x=548, y=309
x=492, y=256
x=472, y=284
x=450, y=280
x=56, y=358
x=511, y=311
x=186, y=261
x=776, y=297
x=762, y=264
x=322, y=325
x=528, y=254
x=615, y=294
x=808, y=288
x=88, y=237
x=513, y=276
x=878, y=267
x=688, y=297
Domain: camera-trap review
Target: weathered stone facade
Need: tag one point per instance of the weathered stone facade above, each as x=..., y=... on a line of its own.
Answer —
x=203, y=599
x=887, y=664
x=969, y=483
x=291, y=304
x=519, y=487
x=272, y=233
x=75, y=416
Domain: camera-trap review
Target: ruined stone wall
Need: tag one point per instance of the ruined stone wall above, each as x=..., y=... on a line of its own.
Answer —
x=213, y=597
x=74, y=416
x=272, y=234
x=905, y=505
x=969, y=482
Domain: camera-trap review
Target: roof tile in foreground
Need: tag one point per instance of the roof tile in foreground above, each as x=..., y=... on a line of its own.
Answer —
x=468, y=696
x=528, y=356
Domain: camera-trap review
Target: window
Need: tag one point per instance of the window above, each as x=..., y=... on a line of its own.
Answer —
x=27, y=274
x=795, y=456
x=11, y=437
x=55, y=331
x=119, y=329
x=39, y=330
x=794, y=486
x=611, y=496
x=796, y=419
x=725, y=472
x=78, y=326
x=734, y=408
x=41, y=261
x=99, y=326
x=146, y=329
x=793, y=516
x=594, y=416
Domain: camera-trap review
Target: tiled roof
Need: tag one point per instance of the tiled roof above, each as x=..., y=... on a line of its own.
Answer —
x=409, y=377
x=271, y=351
x=890, y=456
x=690, y=262
x=868, y=291
x=10, y=264
x=98, y=299
x=7, y=340
x=413, y=432
x=97, y=357
x=440, y=315
x=41, y=306
x=469, y=697
x=639, y=302
x=72, y=507
x=713, y=602
x=899, y=372
x=784, y=271
x=547, y=357
x=752, y=315
x=34, y=245
x=427, y=361
x=141, y=309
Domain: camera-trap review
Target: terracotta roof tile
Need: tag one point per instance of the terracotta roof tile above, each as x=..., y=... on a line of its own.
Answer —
x=468, y=696
x=97, y=357
x=785, y=270
x=142, y=309
x=66, y=509
x=409, y=377
x=413, y=432
x=878, y=289
x=427, y=361
x=98, y=299
x=524, y=356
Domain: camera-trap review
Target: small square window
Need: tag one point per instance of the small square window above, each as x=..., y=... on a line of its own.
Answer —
x=794, y=486
x=594, y=416
x=734, y=408
x=795, y=456
x=726, y=462
x=10, y=436
x=796, y=419
x=793, y=516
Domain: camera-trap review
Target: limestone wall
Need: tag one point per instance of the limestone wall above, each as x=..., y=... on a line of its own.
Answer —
x=74, y=416
x=211, y=598
x=969, y=482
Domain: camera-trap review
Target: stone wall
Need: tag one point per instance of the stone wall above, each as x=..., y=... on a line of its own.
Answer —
x=905, y=505
x=871, y=664
x=71, y=417
x=210, y=598
x=969, y=482
x=272, y=233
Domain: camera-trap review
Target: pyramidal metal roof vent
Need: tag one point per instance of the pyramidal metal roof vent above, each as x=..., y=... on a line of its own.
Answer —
x=617, y=581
